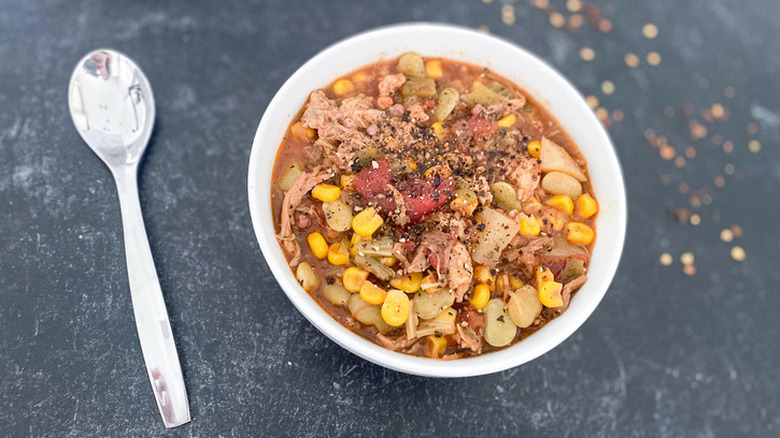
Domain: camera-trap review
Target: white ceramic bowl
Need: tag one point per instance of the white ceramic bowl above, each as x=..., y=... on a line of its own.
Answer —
x=546, y=85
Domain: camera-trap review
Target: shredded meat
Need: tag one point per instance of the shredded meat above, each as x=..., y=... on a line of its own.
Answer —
x=571, y=287
x=434, y=250
x=524, y=173
x=292, y=199
x=460, y=270
x=469, y=339
x=395, y=344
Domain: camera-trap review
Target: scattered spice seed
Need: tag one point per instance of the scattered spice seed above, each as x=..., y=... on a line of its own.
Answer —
x=593, y=102
x=720, y=181
x=729, y=169
x=684, y=188
x=737, y=230
x=557, y=20
x=607, y=87
x=605, y=25
x=508, y=14
x=680, y=214
x=726, y=235
x=679, y=162
x=690, y=152
x=574, y=5
x=617, y=115
x=650, y=30
x=752, y=128
x=728, y=147
x=687, y=258
x=666, y=259
x=587, y=54
x=602, y=114
x=738, y=253
x=631, y=60
x=653, y=58
x=695, y=220
x=541, y=4
x=754, y=146
x=666, y=179
x=667, y=153
x=575, y=22
x=698, y=131
x=718, y=111
x=730, y=92
x=689, y=270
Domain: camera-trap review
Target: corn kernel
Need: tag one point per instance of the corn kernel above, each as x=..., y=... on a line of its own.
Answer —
x=530, y=226
x=408, y=283
x=433, y=69
x=395, y=309
x=486, y=276
x=464, y=202
x=326, y=192
x=388, y=261
x=338, y=253
x=480, y=296
x=301, y=132
x=515, y=282
x=347, y=181
x=507, y=121
x=318, y=245
x=442, y=171
x=372, y=294
x=577, y=232
x=342, y=87
x=562, y=202
x=430, y=282
x=542, y=274
x=586, y=206
x=360, y=76
x=436, y=346
x=411, y=164
x=366, y=222
x=550, y=294
x=353, y=278
x=535, y=148
x=449, y=314
x=439, y=130
x=556, y=219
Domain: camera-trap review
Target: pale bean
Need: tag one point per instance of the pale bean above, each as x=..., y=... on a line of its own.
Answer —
x=559, y=183
x=499, y=328
x=524, y=306
x=306, y=276
x=338, y=215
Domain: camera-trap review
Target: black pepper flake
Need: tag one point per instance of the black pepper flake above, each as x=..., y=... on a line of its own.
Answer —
x=438, y=334
x=330, y=280
x=500, y=318
x=481, y=227
x=505, y=260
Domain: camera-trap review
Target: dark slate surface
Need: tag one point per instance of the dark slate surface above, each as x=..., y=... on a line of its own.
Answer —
x=666, y=354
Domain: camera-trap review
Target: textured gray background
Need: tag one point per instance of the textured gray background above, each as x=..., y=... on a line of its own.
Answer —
x=665, y=354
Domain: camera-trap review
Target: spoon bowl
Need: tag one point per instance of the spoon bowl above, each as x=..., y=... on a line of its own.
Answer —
x=112, y=106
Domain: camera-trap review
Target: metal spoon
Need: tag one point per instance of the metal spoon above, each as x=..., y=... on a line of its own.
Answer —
x=112, y=106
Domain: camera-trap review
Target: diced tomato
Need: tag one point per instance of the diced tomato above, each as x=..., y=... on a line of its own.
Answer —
x=481, y=126
x=423, y=197
x=372, y=183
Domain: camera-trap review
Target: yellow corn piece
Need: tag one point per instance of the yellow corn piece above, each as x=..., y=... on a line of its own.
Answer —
x=318, y=245
x=449, y=314
x=301, y=132
x=428, y=282
x=562, y=202
x=442, y=171
x=542, y=274
x=342, y=87
x=436, y=346
x=326, y=192
x=408, y=283
x=535, y=148
x=360, y=76
x=480, y=296
x=353, y=278
x=411, y=164
x=395, y=309
x=388, y=261
x=366, y=222
x=465, y=201
x=586, y=206
x=550, y=294
x=577, y=232
x=486, y=276
x=439, y=130
x=433, y=69
x=338, y=253
x=515, y=282
x=509, y=282
x=507, y=121
x=372, y=294
x=556, y=220
x=347, y=181
x=530, y=226
x=354, y=240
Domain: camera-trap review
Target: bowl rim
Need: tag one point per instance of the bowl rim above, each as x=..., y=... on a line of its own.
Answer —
x=515, y=355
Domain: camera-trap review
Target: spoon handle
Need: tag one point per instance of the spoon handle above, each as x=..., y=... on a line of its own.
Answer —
x=151, y=317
